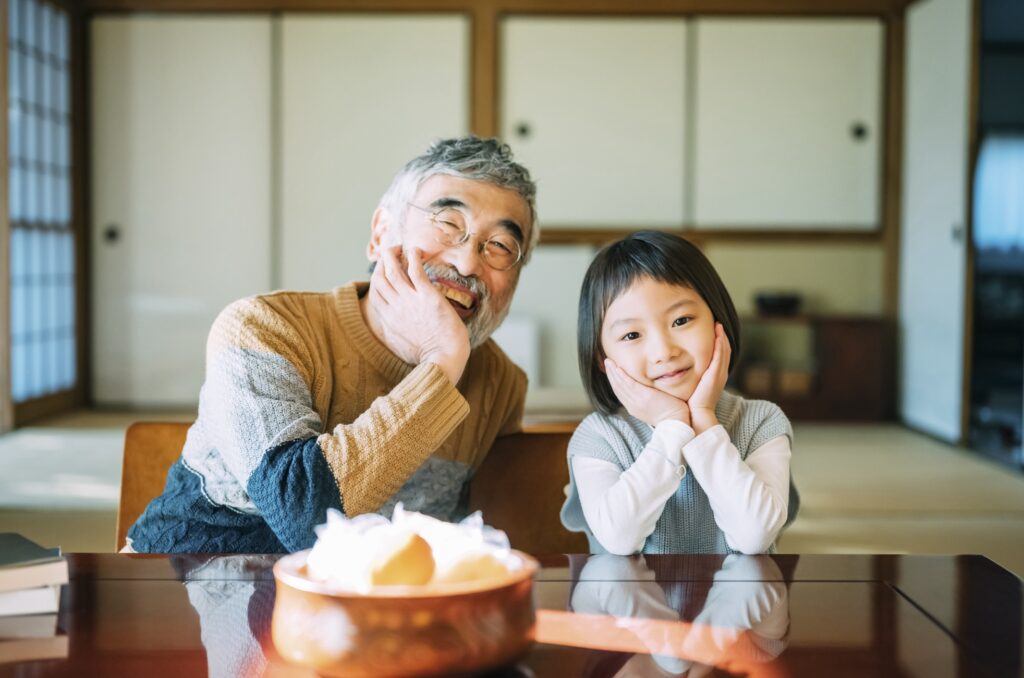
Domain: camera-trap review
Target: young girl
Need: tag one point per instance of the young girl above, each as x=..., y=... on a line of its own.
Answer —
x=670, y=462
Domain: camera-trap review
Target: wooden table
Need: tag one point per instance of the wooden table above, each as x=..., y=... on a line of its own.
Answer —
x=819, y=615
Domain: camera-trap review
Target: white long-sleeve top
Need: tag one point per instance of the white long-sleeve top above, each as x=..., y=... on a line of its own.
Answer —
x=749, y=498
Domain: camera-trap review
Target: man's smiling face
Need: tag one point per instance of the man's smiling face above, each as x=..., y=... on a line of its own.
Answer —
x=479, y=293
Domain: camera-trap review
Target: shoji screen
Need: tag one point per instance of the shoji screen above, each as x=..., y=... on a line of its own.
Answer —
x=42, y=245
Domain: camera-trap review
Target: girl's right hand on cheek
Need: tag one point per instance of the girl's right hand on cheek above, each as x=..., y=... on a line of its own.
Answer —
x=646, y=403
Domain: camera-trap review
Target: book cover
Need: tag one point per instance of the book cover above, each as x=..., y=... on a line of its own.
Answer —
x=17, y=551
x=26, y=565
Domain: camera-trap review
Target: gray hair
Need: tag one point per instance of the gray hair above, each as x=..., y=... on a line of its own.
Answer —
x=467, y=157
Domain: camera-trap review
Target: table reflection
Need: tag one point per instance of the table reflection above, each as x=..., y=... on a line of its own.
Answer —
x=640, y=616
x=649, y=619
x=234, y=601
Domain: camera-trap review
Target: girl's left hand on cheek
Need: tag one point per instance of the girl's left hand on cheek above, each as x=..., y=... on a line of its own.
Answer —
x=709, y=389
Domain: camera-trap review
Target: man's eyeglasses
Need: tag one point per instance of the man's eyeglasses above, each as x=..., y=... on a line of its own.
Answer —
x=500, y=251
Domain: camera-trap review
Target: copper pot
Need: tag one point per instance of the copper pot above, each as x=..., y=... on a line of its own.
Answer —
x=402, y=630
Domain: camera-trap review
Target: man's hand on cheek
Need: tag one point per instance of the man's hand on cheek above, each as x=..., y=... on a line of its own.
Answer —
x=646, y=403
x=419, y=322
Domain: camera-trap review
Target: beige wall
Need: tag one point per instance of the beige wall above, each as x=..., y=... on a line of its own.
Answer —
x=837, y=279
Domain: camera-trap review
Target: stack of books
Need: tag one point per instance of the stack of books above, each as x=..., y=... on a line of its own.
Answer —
x=30, y=580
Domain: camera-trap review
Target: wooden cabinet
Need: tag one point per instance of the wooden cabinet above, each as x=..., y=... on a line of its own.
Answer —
x=597, y=109
x=846, y=375
x=787, y=115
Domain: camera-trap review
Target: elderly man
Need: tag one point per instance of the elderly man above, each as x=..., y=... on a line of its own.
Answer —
x=367, y=395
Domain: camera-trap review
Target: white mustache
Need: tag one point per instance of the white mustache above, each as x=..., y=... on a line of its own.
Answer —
x=450, y=274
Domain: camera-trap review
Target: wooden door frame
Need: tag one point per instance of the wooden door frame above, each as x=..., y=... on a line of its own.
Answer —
x=973, y=147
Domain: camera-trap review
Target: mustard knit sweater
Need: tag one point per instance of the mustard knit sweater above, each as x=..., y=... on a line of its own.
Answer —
x=303, y=409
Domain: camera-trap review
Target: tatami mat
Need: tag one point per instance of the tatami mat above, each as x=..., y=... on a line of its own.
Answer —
x=855, y=469
x=887, y=489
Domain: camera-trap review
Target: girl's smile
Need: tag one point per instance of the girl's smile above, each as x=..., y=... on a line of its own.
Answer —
x=672, y=377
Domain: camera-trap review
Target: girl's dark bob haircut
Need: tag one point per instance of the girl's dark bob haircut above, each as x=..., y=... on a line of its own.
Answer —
x=652, y=254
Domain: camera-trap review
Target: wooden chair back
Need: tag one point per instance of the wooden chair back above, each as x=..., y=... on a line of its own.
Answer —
x=150, y=448
x=519, y=487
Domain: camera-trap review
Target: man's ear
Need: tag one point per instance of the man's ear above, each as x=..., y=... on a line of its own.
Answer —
x=379, y=226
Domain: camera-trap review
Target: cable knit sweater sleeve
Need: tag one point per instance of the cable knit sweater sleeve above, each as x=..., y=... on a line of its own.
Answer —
x=257, y=408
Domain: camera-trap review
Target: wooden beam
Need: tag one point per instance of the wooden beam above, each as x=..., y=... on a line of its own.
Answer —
x=892, y=162
x=705, y=7
x=229, y=6
x=599, y=236
x=973, y=144
x=609, y=7
x=80, y=201
x=484, y=71
x=45, y=406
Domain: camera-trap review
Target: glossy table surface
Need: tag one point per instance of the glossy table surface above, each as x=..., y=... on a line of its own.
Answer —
x=815, y=615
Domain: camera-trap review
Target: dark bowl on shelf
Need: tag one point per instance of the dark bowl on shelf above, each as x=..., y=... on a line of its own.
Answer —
x=777, y=303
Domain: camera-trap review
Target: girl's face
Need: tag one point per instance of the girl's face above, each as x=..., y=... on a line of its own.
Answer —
x=662, y=335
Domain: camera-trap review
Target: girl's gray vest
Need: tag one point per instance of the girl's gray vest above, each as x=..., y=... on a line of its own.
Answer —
x=687, y=525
